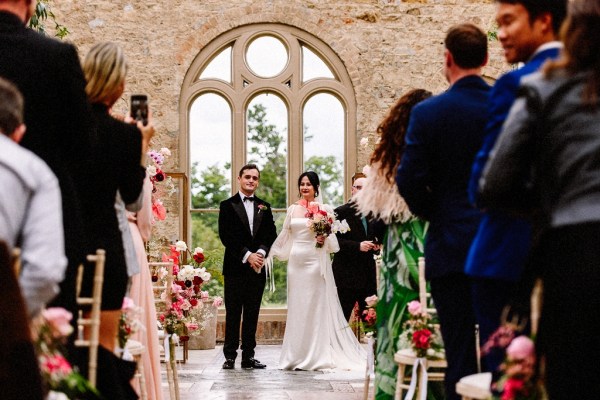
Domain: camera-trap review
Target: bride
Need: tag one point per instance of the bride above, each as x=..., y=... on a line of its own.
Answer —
x=316, y=335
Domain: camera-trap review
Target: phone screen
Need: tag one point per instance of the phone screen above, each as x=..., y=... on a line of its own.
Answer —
x=139, y=108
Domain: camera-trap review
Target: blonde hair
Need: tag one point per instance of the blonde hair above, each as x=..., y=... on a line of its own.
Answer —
x=105, y=69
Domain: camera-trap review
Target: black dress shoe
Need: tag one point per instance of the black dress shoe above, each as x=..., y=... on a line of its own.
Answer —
x=229, y=364
x=252, y=363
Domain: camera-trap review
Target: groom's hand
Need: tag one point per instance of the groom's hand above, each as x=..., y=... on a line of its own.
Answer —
x=256, y=260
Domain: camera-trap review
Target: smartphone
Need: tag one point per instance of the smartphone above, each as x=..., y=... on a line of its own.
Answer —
x=139, y=108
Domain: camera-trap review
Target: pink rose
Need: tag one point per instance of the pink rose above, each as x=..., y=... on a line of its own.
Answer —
x=520, y=348
x=59, y=321
x=414, y=307
x=218, y=301
x=372, y=300
x=128, y=304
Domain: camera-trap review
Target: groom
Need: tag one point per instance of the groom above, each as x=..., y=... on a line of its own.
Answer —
x=247, y=230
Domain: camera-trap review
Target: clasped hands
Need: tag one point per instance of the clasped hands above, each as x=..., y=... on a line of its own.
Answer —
x=256, y=261
x=367, y=245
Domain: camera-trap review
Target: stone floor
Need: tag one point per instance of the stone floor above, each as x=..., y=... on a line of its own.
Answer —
x=202, y=378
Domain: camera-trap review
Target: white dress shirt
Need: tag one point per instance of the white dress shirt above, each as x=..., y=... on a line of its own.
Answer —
x=249, y=206
x=31, y=218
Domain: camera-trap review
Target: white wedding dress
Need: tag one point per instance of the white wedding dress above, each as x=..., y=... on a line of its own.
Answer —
x=316, y=336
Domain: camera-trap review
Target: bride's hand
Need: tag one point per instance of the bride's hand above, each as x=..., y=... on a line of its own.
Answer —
x=321, y=239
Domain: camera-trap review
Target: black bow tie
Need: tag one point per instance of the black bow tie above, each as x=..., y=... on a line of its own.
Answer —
x=248, y=198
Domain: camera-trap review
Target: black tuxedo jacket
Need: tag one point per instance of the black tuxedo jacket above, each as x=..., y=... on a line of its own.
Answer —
x=353, y=268
x=57, y=113
x=234, y=231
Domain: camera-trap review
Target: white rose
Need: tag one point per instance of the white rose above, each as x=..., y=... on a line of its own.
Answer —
x=205, y=276
x=364, y=142
x=198, y=250
x=165, y=152
x=180, y=246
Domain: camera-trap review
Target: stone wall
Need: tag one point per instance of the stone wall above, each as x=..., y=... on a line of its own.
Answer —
x=387, y=46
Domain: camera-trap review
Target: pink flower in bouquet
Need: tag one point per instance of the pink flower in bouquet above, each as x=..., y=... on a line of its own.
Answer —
x=414, y=307
x=421, y=338
x=59, y=321
x=204, y=295
x=520, y=348
x=313, y=207
x=192, y=326
x=372, y=300
x=218, y=301
x=512, y=388
x=370, y=316
x=55, y=364
x=128, y=304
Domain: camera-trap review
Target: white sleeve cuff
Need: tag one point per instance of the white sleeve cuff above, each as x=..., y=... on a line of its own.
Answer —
x=245, y=258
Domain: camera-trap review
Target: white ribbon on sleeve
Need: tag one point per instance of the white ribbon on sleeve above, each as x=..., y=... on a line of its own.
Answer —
x=415, y=378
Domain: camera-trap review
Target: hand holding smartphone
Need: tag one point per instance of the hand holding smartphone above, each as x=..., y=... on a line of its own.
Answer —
x=139, y=108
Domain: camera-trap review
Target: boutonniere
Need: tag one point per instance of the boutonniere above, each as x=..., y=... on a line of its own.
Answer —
x=262, y=207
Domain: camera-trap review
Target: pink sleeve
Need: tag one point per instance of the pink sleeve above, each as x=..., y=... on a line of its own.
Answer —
x=144, y=216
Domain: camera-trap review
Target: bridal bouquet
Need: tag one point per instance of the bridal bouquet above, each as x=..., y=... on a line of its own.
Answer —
x=323, y=223
x=421, y=333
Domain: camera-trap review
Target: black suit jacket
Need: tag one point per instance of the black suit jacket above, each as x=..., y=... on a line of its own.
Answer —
x=234, y=231
x=353, y=268
x=57, y=113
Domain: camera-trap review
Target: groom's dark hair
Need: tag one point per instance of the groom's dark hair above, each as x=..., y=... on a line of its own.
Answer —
x=249, y=166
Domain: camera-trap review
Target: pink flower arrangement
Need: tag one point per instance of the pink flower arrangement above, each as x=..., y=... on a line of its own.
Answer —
x=517, y=381
x=52, y=328
x=422, y=333
x=161, y=183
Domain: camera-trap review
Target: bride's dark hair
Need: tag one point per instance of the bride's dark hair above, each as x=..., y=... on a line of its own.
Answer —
x=313, y=178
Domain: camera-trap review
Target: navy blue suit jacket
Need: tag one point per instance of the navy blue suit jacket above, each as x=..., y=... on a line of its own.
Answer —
x=444, y=134
x=502, y=243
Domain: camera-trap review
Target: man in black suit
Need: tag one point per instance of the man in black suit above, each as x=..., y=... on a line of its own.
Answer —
x=354, y=265
x=247, y=230
x=57, y=116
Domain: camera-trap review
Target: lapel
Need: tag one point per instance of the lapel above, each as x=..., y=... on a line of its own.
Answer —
x=238, y=206
x=257, y=215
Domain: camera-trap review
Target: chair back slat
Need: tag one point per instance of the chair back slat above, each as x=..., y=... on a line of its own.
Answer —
x=93, y=321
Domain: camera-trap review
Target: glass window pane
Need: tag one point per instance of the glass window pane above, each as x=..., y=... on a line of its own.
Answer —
x=210, y=151
x=323, y=118
x=313, y=66
x=205, y=234
x=266, y=56
x=219, y=67
x=267, y=126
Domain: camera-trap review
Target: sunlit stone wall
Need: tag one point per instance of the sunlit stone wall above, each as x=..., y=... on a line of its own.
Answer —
x=387, y=46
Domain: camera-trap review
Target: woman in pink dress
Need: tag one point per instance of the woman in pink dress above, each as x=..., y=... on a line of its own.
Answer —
x=140, y=225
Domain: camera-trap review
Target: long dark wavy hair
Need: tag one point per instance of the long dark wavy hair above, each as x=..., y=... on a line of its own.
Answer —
x=392, y=131
x=581, y=37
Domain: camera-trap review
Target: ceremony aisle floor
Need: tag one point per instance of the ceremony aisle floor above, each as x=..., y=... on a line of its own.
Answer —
x=203, y=378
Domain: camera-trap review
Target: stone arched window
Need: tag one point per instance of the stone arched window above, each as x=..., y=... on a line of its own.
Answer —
x=270, y=94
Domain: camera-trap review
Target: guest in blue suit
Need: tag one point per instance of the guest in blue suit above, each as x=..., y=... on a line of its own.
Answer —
x=527, y=30
x=443, y=136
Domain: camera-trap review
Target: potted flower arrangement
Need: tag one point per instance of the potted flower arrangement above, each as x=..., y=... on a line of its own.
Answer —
x=190, y=311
